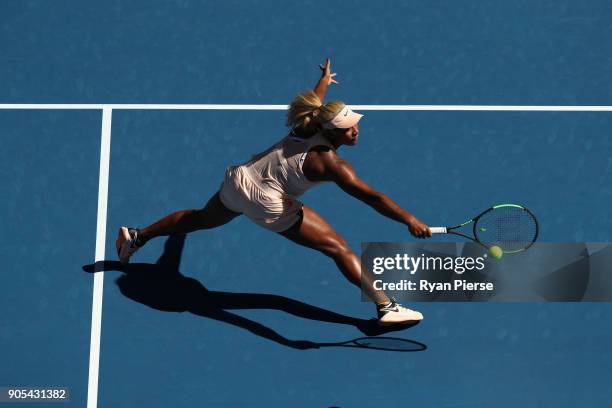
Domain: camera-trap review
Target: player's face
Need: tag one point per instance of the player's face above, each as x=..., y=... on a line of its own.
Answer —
x=347, y=136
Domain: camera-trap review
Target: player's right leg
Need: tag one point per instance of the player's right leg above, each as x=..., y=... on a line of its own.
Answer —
x=314, y=232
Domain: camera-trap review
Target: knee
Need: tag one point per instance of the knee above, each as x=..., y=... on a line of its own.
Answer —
x=199, y=218
x=336, y=248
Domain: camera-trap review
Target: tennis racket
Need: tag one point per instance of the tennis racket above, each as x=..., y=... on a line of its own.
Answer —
x=511, y=227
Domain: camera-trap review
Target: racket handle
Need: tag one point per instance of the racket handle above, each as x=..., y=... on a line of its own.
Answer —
x=438, y=230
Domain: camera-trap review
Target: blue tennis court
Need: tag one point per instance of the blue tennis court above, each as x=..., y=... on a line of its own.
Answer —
x=119, y=114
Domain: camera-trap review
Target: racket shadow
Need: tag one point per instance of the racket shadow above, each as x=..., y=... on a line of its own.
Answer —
x=161, y=286
x=380, y=343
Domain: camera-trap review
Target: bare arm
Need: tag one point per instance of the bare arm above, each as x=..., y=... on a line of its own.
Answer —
x=327, y=78
x=341, y=172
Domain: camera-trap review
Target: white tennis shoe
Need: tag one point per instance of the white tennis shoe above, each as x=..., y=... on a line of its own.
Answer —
x=126, y=244
x=394, y=313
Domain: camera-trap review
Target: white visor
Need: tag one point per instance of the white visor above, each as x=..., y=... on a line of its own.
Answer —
x=345, y=119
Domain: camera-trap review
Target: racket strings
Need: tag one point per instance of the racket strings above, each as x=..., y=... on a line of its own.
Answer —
x=510, y=228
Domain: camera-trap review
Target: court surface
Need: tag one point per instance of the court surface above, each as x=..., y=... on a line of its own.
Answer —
x=220, y=317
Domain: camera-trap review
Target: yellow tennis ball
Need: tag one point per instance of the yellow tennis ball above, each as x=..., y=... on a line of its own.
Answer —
x=496, y=252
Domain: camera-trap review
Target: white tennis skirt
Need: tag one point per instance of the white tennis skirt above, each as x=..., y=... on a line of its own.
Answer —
x=260, y=203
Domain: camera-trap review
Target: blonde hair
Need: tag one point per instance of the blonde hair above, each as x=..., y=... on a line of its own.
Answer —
x=307, y=110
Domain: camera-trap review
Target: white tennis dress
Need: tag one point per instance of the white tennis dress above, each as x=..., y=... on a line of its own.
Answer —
x=266, y=188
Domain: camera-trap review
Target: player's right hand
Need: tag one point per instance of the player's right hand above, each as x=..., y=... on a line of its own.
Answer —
x=418, y=229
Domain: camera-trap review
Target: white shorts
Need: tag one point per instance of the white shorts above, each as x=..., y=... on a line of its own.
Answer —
x=262, y=205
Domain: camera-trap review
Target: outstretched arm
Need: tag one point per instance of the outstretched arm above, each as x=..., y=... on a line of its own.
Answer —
x=327, y=78
x=341, y=172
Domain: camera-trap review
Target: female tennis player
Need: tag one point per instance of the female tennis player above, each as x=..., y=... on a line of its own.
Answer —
x=266, y=189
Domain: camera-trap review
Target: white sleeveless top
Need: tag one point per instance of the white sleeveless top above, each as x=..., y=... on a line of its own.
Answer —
x=279, y=168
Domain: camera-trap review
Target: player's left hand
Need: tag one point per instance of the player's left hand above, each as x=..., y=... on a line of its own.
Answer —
x=327, y=74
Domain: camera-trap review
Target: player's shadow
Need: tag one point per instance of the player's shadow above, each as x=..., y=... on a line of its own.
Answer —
x=163, y=287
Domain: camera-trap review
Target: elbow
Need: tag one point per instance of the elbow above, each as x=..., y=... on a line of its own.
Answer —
x=374, y=199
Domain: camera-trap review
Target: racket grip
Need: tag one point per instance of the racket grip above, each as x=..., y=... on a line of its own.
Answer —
x=438, y=230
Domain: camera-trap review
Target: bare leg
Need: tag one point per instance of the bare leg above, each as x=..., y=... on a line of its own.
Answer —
x=214, y=214
x=314, y=232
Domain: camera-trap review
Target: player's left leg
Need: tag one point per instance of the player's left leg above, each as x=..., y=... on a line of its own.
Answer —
x=213, y=215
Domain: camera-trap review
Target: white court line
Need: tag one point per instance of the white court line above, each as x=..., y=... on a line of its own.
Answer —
x=98, y=286
x=520, y=108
